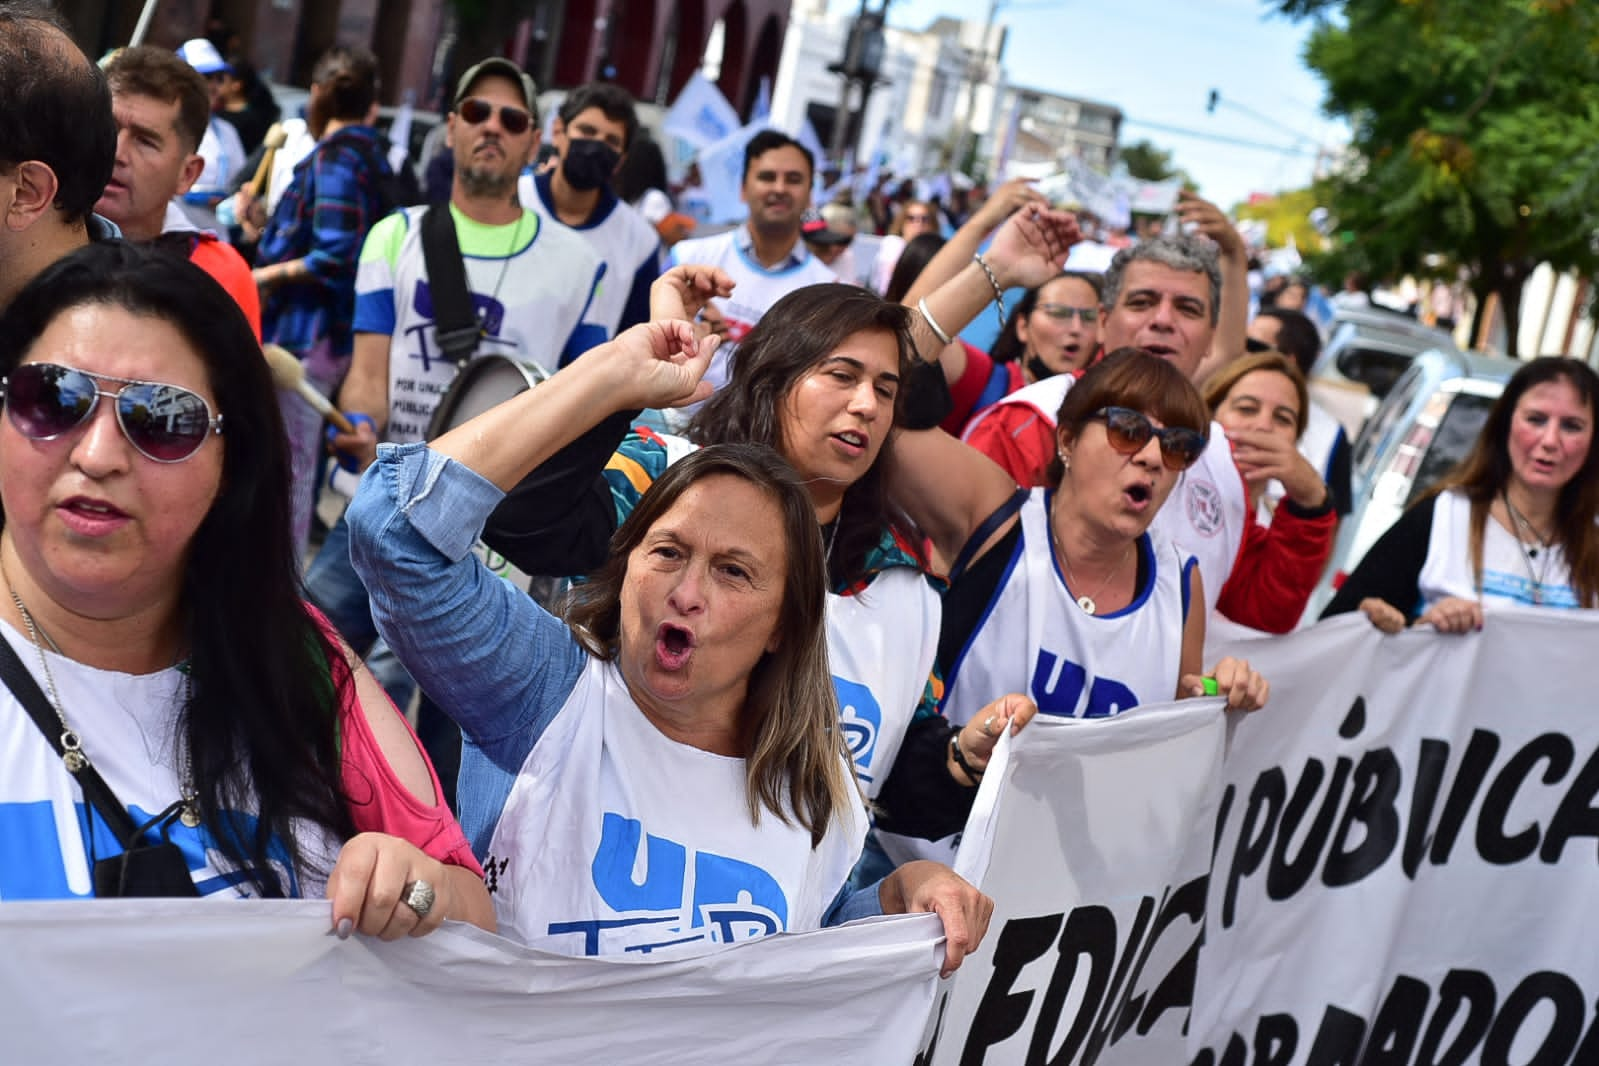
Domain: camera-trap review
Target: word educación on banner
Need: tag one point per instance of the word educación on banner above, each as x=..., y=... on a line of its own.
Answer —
x=1108, y=1010
x=1470, y=1019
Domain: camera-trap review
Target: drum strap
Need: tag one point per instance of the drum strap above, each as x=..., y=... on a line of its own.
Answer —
x=455, y=323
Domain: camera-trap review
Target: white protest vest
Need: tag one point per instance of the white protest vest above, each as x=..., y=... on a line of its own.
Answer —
x=617, y=839
x=1035, y=639
x=530, y=285
x=1508, y=574
x=622, y=239
x=128, y=725
x=880, y=646
x=1206, y=514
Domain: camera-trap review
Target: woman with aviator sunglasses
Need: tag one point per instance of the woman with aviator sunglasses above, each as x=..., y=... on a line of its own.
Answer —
x=152, y=598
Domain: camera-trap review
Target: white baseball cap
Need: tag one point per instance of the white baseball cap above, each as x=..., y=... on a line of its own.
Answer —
x=203, y=56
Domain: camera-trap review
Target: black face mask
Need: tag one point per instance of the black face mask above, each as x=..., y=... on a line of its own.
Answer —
x=589, y=163
x=1040, y=369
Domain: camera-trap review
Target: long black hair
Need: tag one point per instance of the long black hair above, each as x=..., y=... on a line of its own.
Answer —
x=262, y=724
x=793, y=336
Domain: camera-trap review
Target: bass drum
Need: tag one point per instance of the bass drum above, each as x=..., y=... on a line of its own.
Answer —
x=488, y=381
x=484, y=382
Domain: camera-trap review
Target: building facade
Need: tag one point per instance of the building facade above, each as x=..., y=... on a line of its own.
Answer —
x=934, y=88
x=650, y=47
x=1040, y=129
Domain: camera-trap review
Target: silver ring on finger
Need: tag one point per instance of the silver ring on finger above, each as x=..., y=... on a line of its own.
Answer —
x=420, y=897
x=988, y=726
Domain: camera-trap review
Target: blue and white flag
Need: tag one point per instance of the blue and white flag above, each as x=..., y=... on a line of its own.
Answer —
x=701, y=115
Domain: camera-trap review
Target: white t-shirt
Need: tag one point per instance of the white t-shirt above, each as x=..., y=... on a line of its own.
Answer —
x=1509, y=573
x=756, y=288
x=628, y=247
x=531, y=284
x=128, y=727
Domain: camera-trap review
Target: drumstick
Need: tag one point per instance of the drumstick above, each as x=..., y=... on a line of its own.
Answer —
x=276, y=137
x=287, y=373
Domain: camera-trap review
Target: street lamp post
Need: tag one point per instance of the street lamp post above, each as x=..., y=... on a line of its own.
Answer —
x=862, y=62
x=976, y=71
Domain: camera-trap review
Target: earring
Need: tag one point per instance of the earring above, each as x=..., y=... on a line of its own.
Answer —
x=1065, y=460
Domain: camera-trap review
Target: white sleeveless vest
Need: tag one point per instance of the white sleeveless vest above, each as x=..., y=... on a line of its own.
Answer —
x=615, y=838
x=128, y=725
x=881, y=643
x=1035, y=639
x=1206, y=514
x=1508, y=575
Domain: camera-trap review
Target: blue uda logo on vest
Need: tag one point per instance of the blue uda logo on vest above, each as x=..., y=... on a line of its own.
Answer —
x=860, y=717
x=1058, y=685
x=727, y=900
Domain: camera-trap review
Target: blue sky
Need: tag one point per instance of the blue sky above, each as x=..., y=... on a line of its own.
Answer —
x=1158, y=60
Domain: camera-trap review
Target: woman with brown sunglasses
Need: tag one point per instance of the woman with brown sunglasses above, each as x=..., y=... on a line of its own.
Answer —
x=1062, y=592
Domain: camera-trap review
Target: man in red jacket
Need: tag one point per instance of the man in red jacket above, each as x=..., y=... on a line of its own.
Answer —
x=162, y=105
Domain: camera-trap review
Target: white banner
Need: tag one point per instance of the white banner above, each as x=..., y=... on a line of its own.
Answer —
x=1407, y=864
x=1093, y=837
x=1405, y=869
x=262, y=984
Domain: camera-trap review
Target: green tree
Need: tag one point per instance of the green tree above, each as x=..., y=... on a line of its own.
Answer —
x=1147, y=162
x=1287, y=215
x=1475, y=137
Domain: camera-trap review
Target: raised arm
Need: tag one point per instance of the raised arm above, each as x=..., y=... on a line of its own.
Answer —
x=945, y=486
x=658, y=364
x=573, y=539
x=1233, y=320
x=956, y=255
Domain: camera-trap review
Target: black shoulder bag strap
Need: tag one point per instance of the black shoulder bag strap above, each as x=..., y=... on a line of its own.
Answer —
x=981, y=534
x=141, y=869
x=455, y=323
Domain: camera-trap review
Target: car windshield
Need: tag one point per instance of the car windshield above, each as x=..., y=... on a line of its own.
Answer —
x=1457, y=432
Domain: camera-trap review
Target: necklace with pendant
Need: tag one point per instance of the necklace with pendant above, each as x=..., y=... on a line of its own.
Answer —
x=1085, y=601
x=1524, y=529
x=73, y=757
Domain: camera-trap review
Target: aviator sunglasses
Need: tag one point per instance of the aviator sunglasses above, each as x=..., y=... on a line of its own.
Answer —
x=476, y=111
x=1128, y=431
x=165, y=423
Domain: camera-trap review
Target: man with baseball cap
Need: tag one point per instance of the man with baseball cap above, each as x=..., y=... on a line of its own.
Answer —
x=221, y=148
x=528, y=280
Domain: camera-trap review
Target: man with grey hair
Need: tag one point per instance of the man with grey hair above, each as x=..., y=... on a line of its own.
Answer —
x=1164, y=296
x=57, y=142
